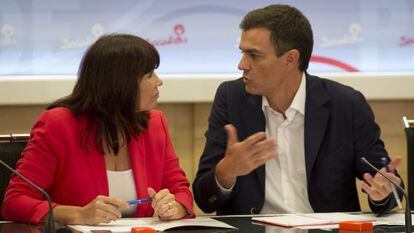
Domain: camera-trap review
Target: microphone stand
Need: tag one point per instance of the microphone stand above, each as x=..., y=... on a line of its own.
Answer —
x=51, y=223
x=408, y=226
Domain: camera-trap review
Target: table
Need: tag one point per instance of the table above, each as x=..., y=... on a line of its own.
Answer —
x=243, y=223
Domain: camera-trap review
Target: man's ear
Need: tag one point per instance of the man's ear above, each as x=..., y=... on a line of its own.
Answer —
x=292, y=59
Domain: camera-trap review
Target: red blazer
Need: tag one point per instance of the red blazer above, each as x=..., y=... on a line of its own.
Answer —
x=75, y=175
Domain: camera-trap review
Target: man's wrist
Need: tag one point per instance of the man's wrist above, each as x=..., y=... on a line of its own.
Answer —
x=224, y=178
x=380, y=202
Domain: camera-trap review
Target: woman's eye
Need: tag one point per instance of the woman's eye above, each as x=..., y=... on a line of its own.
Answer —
x=149, y=75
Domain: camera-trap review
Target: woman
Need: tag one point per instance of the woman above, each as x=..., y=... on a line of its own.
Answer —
x=103, y=145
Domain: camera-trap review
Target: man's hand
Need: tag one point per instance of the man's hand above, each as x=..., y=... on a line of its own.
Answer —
x=241, y=158
x=377, y=187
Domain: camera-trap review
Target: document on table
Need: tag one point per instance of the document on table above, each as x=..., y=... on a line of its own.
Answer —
x=317, y=219
x=125, y=225
x=391, y=219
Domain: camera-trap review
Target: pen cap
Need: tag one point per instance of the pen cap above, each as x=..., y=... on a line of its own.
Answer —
x=142, y=230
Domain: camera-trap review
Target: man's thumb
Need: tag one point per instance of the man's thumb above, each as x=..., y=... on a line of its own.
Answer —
x=231, y=134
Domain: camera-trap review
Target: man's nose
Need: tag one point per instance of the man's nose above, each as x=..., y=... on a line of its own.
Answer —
x=244, y=63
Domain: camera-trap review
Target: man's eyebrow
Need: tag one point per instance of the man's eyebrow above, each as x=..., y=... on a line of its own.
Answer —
x=250, y=50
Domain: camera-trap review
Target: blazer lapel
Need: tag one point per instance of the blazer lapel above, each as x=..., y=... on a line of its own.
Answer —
x=137, y=158
x=254, y=121
x=95, y=160
x=96, y=163
x=316, y=120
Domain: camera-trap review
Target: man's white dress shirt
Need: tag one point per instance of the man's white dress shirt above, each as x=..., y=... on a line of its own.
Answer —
x=286, y=184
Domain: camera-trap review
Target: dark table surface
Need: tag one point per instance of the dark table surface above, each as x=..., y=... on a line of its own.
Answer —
x=243, y=224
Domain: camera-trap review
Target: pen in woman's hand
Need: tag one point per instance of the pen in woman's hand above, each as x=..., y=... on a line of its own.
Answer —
x=139, y=201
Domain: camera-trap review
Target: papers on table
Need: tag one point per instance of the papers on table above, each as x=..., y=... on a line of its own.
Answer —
x=302, y=220
x=125, y=225
x=390, y=219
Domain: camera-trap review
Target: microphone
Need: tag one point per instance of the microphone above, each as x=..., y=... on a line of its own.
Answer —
x=407, y=200
x=51, y=224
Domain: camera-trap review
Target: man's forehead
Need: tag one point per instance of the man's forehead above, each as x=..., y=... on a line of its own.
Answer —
x=254, y=42
x=256, y=35
x=260, y=32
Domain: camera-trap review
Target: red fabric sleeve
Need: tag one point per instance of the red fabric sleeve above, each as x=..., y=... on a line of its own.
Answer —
x=22, y=202
x=174, y=178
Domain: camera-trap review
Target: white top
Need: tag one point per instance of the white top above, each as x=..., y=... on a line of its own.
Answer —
x=286, y=183
x=121, y=185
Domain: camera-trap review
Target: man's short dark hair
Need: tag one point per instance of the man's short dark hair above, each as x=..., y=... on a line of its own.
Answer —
x=289, y=28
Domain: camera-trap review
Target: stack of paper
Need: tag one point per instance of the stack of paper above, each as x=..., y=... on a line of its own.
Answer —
x=300, y=220
x=391, y=219
x=125, y=225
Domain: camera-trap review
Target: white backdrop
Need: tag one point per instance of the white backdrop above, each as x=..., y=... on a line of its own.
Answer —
x=367, y=44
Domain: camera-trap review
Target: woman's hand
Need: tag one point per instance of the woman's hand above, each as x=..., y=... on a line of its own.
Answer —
x=165, y=205
x=102, y=209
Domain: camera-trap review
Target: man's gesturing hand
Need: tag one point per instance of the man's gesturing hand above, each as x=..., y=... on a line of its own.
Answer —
x=243, y=157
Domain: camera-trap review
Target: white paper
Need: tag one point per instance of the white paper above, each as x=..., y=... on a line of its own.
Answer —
x=317, y=219
x=290, y=220
x=391, y=219
x=125, y=225
x=342, y=217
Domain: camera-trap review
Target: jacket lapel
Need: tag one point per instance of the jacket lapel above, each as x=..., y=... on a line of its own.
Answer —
x=254, y=121
x=137, y=158
x=316, y=120
x=96, y=163
x=95, y=159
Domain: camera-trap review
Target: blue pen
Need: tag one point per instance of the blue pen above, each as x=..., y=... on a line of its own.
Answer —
x=394, y=191
x=139, y=201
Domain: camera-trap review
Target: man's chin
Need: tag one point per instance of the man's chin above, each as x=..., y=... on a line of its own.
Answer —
x=251, y=91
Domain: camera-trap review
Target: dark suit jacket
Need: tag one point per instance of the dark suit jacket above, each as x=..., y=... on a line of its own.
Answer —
x=339, y=130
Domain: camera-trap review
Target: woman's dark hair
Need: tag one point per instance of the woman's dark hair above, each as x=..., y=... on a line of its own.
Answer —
x=289, y=29
x=107, y=89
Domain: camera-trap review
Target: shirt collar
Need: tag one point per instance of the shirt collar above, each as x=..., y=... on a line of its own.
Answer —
x=298, y=102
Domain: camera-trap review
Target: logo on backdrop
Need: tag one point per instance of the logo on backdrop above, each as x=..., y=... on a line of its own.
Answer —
x=177, y=38
x=406, y=41
x=97, y=30
x=6, y=37
x=352, y=37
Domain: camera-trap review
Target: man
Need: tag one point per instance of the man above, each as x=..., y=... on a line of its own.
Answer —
x=282, y=141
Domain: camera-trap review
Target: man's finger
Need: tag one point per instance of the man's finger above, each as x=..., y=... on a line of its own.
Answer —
x=255, y=138
x=381, y=188
x=262, y=158
x=372, y=193
x=394, y=178
x=231, y=134
x=265, y=145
